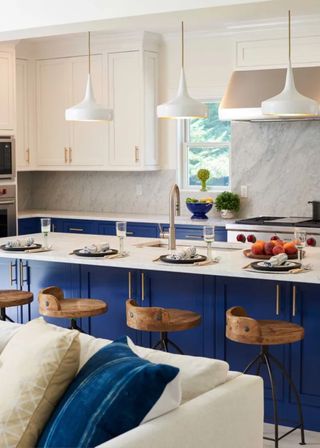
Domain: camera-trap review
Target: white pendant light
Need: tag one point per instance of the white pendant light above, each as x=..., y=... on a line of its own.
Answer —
x=182, y=106
x=290, y=103
x=88, y=109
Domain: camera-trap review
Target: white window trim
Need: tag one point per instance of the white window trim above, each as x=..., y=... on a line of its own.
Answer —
x=182, y=160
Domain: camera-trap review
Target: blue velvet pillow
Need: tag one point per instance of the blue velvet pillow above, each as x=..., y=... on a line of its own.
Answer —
x=112, y=393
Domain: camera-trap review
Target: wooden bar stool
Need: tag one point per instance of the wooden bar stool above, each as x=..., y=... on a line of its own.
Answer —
x=52, y=303
x=160, y=320
x=14, y=297
x=244, y=329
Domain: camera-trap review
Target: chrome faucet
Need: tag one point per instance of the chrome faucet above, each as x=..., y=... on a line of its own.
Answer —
x=174, y=209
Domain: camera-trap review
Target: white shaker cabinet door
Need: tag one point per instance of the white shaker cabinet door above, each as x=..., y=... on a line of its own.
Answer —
x=53, y=97
x=125, y=93
x=22, y=149
x=7, y=88
x=89, y=140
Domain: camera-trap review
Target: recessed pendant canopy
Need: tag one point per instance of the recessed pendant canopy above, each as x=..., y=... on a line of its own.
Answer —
x=182, y=106
x=290, y=103
x=88, y=109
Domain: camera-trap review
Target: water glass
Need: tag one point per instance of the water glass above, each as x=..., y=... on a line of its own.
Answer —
x=208, y=236
x=121, y=229
x=300, y=237
x=45, y=229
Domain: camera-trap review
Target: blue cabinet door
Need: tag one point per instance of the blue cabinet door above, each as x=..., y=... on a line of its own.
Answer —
x=186, y=232
x=220, y=234
x=27, y=226
x=38, y=275
x=107, y=228
x=185, y=292
x=112, y=286
x=9, y=279
x=304, y=309
x=259, y=299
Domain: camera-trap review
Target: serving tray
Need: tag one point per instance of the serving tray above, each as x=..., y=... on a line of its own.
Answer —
x=94, y=254
x=21, y=248
x=259, y=266
x=249, y=254
x=196, y=259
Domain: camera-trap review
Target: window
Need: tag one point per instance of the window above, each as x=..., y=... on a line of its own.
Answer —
x=206, y=144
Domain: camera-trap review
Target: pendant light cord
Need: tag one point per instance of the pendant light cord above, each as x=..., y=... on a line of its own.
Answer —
x=182, y=44
x=289, y=34
x=89, y=53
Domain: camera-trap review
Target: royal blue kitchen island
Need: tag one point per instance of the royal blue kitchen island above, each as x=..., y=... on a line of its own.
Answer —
x=208, y=290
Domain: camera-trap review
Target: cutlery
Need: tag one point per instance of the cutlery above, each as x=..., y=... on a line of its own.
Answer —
x=40, y=249
x=156, y=259
x=110, y=257
x=246, y=266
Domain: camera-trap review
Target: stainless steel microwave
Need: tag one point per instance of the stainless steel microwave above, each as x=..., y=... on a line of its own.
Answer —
x=7, y=158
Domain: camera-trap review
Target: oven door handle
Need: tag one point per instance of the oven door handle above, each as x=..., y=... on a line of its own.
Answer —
x=7, y=202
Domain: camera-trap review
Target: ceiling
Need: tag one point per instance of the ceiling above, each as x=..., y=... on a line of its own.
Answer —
x=232, y=16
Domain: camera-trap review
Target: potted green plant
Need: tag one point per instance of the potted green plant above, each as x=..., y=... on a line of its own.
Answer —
x=203, y=175
x=227, y=203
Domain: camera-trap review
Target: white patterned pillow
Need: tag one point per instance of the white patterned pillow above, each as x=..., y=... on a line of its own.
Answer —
x=7, y=330
x=36, y=366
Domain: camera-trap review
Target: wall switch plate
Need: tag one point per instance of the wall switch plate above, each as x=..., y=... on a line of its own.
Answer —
x=139, y=190
x=244, y=191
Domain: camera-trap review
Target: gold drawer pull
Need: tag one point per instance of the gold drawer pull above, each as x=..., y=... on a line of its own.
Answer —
x=28, y=155
x=130, y=285
x=136, y=153
x=142, y=287
x=65, y=155
x=194, y=237
x=294, y=300
x=70, y=155
x=130, y=233
x=75, y=229
x=277, y=300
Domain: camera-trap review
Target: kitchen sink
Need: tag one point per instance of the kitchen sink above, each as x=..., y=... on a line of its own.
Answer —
x=220, y=246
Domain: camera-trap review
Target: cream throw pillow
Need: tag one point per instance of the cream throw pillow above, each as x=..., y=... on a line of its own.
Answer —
x=36, y=366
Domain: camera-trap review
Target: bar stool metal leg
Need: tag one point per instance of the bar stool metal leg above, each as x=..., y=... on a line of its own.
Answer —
x=296, y=393
x=2, y=314
x=274, y=398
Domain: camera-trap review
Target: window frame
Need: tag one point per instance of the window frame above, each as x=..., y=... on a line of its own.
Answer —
x=183, y=145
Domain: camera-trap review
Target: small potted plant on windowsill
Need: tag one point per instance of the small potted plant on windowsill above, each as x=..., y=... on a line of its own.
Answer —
x=227, y=203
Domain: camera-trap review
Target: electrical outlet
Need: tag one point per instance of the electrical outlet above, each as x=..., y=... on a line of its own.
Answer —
x=244, y=191
x=139, y=190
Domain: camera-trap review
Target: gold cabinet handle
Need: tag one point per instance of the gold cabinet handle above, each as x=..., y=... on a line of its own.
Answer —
x=75, y=229
x=277, y=300
x=294, y=300
x=28, y=155
x=12, y=279
x=194, y=237
x=142, y=287
x=65, y=155
x=130, y=285
x=53, y=228
x=70, y=154
x=136, y=153
x=130, y=233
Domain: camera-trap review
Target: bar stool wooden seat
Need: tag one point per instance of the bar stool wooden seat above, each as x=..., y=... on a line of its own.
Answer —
x=162, y=320
x=244, y=329
x=52, y=303
x=14, y=297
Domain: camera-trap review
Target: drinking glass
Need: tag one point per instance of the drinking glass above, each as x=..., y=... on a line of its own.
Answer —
x=208, y=236
x=121, y=227
x=45, y=229
x=300, y=241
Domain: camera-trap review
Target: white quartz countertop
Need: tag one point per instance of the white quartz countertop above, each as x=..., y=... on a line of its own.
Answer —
x=129, y=217
x=231, y=261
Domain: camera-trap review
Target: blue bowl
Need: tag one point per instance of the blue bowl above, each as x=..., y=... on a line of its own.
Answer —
x=199, y=209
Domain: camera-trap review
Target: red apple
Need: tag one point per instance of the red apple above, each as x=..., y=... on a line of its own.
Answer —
x=311, y=241
x=251, y=239
x=241, y=238
x=274, y=237
x=268, y=248
x=278, y=250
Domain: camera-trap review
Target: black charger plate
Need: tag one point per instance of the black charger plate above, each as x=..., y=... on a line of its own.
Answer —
x=196, y=259
x=258, y=265
x=20, y=249
x=94, y=254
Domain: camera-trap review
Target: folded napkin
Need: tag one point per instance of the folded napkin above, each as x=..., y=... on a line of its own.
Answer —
x=277, y=260
x=25, y=242
x=95, y=248
x=185, y=254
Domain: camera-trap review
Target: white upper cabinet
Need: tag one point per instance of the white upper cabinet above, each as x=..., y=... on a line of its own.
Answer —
x=22, y=148
x=53, y=96
x=124, y=81
x=89, y=140
x=7, y=90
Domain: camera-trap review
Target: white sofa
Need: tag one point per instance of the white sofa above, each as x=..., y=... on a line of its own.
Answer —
x=228, y=415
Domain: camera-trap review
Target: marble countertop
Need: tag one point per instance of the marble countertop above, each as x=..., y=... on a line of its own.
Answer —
x=130, y=217
x=231, y=261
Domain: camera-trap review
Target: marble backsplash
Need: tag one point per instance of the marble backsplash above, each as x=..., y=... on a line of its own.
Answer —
x=278, y=161
x=280, y=164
